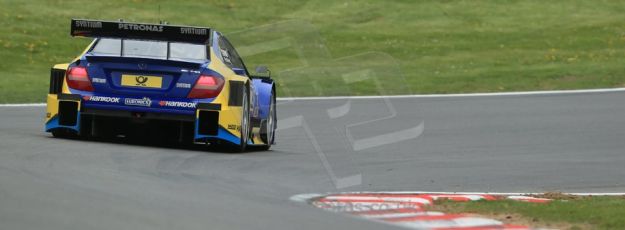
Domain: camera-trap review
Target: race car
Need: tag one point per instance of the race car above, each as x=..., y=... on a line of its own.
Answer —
x=138, y=78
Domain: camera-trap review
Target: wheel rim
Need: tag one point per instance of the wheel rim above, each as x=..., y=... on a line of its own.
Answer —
x=270, y=123
x=244, y=120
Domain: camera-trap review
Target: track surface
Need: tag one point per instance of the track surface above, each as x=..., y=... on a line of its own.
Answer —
x=571, y=143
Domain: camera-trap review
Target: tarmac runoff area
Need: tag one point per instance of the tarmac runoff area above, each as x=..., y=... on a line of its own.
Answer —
x=525, y=143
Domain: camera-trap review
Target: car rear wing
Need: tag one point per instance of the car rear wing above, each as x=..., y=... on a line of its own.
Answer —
x=160, y=32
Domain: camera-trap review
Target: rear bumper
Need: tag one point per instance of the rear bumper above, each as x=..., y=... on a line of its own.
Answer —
x=141, y=104
x=135, y=114
x=210, y=120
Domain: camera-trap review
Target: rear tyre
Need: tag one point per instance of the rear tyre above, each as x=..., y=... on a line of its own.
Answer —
x=86, y=126
x=245, y=121
x=64, y=133
x=268, y=132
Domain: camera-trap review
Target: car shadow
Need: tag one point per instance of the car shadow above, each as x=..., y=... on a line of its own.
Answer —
x=167, y=144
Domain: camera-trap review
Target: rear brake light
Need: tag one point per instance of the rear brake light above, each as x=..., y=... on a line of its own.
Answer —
x=77, y=78
x=207, y=86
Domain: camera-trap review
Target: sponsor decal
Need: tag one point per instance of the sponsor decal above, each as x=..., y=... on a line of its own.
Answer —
x=138, y=101
x=225, y=55
x=140, y=27
x=99, y=80
x=102, y=99
x=141, y=80
x=183, y=85
x=88, y=24
x=189, y=71
x=234, y=127
x=179, y=104
x=194, y=31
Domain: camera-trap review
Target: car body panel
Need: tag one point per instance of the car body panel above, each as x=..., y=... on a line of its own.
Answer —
x=111, y=80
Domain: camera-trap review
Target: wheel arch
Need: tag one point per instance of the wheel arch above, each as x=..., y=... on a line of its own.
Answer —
x=265, y=88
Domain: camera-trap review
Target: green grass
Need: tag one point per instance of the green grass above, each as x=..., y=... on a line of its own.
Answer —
x=437, y=46
x=599, y=212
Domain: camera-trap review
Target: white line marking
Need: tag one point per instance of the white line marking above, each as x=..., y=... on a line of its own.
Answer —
x=552, y=92
x=304, y=197
x=463, y=222
x=374, y=198
x=24, y=105
x=399, y=215
x=490, y=193
x=472, y=197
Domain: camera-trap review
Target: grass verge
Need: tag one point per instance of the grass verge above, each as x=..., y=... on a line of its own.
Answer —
x=450, y=46
x=565, y=212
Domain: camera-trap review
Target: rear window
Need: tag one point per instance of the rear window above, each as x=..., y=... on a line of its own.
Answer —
x=149, y=49
x=186, y=51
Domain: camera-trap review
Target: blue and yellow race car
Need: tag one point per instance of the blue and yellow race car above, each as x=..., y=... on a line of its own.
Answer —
x=146, y=79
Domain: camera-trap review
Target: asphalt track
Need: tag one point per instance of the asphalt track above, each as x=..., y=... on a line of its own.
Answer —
x=530, y=143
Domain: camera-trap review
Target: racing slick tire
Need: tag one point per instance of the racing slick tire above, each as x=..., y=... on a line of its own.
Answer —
x=245, y=120
x=268, y=127
x=64, y=133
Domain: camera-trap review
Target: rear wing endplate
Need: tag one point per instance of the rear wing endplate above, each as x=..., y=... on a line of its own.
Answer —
x=109, y=29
